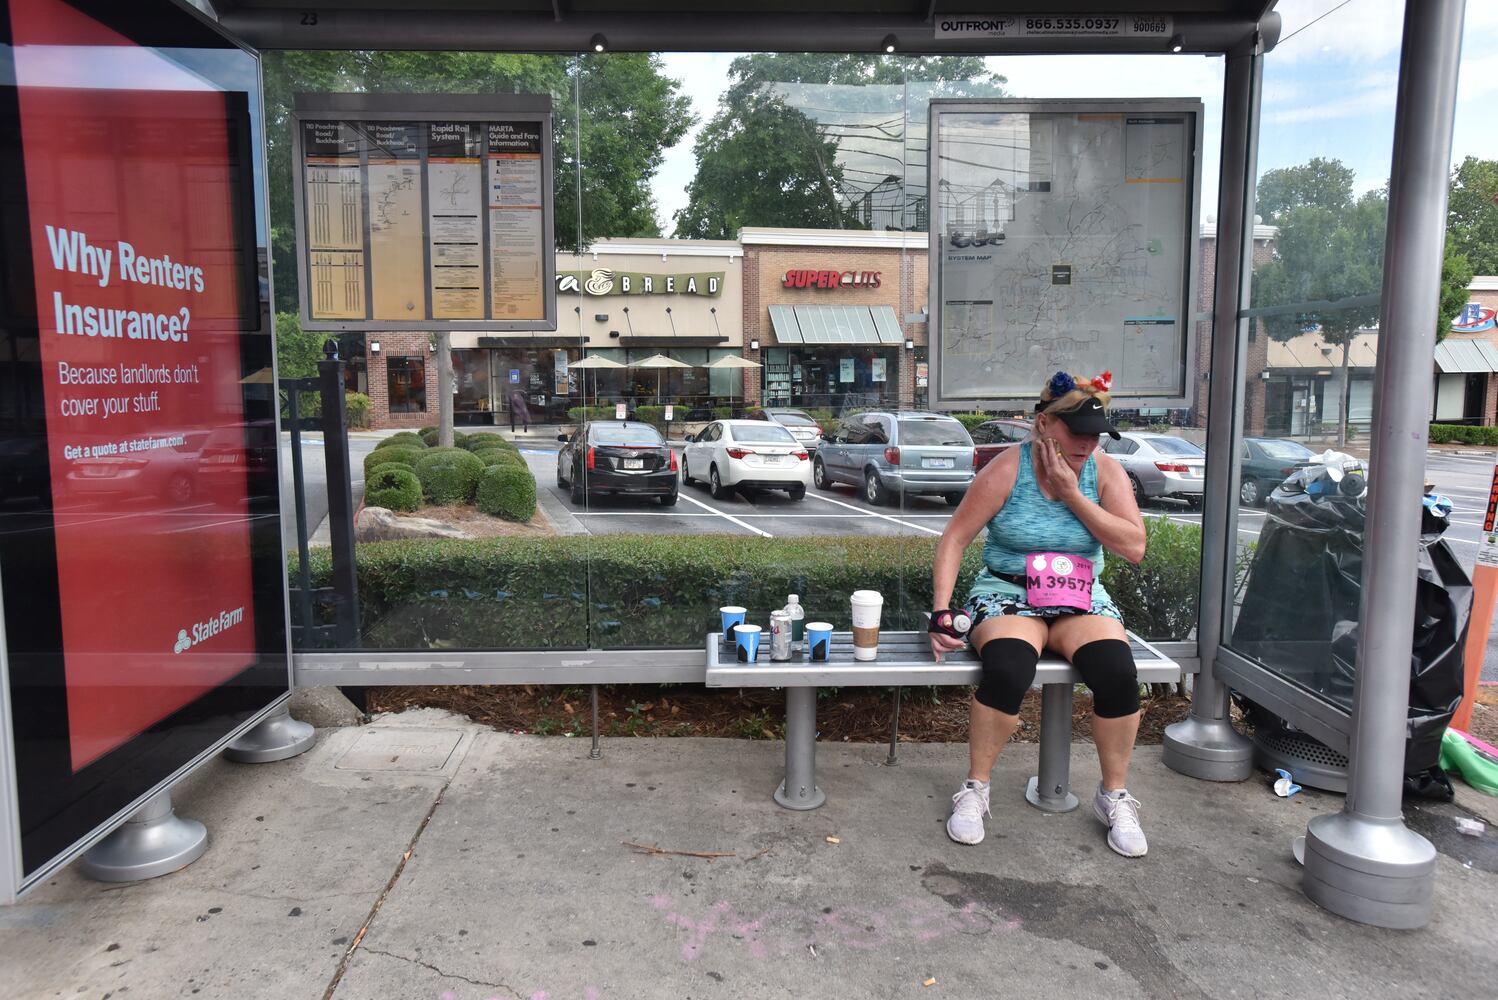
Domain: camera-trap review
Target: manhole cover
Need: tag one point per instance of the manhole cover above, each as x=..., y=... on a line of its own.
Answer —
x=400, y=750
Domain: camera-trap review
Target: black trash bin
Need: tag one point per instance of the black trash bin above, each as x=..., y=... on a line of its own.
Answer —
x=1300, y=615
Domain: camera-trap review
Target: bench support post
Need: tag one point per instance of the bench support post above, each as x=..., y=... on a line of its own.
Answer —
x=1050, y=790
x=799, y=789
x=894, y=732
x=594, y=752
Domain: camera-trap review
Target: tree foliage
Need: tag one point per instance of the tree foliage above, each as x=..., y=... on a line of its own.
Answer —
x=297, y=351
x=1472, y=216
x=774, y=154
x=631, y=113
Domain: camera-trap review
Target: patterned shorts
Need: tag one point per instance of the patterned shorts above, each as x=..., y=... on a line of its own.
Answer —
x=982, y=606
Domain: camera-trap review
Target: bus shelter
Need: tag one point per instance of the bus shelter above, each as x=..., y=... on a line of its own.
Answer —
x=1363, y=862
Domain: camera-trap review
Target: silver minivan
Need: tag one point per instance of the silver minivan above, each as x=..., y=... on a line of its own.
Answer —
x=889, y=454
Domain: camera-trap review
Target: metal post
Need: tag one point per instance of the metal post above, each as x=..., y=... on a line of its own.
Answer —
x=444, y=389
x=1205, y=744
x=299, y=495
x=1050, y=790
x=894, y=731
x=277, y=737
x=345, y=580
x=1364, y=863
x=799, y=789
x=153, y=841
x=594, y=752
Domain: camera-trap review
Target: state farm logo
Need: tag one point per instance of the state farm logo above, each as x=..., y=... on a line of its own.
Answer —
x=204, y=630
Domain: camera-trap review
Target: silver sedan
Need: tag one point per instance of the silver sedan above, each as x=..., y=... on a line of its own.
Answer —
x=1160, y=466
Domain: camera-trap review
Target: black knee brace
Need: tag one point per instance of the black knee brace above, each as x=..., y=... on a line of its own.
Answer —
x=1008, y=672
x=1107, y=666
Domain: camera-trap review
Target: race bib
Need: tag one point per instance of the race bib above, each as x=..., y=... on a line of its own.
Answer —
x=1058, y=580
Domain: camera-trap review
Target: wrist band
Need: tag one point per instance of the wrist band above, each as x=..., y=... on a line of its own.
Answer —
x=954, y=622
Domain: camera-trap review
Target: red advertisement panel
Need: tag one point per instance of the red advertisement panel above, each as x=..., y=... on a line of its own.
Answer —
x=132, y=187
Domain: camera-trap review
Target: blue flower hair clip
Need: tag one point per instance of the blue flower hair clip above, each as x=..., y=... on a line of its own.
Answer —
x=1061, y=383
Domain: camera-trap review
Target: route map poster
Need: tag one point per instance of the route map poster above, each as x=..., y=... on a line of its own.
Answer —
x=409, y=217
x=1063, y=237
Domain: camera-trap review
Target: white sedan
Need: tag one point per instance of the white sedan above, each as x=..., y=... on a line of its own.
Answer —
x=746, y=454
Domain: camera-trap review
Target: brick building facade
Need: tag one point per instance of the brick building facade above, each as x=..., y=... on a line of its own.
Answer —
x=406, y=354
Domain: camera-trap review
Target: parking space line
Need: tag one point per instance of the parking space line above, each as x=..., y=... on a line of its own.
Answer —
x=636, y=513
x=872, y=513
x=722, y=514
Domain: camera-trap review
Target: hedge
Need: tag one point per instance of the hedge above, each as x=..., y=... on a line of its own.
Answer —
x=609, y=591
x=507, y=491
x=384, y=456
x=429, y=436
x=972, y=420
x=448, y=475
x=375, y=472
x=1463, y=434
x=498, y=456
x=357, y=408
x=403, y=439
x=394, y=488
x=484, y=441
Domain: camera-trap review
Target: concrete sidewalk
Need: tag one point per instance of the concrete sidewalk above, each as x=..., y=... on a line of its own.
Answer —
x=427, y=857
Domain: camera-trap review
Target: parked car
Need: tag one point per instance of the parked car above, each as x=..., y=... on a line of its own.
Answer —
x=746, y=454
x=993, y=438
x=1160, y=466
x=890, y=454
x=1267, y=462
x=171, y=474
x=800, y=423
x=617, y=457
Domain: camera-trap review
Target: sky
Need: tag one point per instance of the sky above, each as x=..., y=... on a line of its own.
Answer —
x=1328, y=91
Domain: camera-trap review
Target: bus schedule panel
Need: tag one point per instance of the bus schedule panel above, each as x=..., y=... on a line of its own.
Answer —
x=140, y=553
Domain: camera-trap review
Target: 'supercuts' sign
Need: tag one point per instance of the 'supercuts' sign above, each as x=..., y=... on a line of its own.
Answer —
x=803, y=278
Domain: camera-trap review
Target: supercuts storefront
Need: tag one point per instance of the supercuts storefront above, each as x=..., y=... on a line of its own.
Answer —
x=835, y=315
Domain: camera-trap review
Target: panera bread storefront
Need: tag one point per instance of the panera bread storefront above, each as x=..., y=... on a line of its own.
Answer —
x=836, y=317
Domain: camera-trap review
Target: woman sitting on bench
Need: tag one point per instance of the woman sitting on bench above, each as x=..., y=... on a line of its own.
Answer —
x=1051, y=506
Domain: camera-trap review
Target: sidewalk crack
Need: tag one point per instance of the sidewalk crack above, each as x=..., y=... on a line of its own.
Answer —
x=440, y=972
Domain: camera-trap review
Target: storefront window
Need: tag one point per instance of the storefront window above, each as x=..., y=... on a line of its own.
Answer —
x=827, y=378
x=407, y=384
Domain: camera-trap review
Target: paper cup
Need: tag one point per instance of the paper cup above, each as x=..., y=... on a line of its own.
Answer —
x=731, y=616
x=819, y=641
x=746, y=641
x=867, y=607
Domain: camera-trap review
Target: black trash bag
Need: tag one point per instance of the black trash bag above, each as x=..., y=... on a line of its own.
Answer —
x=1431, y=783
x=1300, y=607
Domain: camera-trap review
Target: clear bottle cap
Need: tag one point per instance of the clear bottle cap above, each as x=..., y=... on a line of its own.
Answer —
x=794, y=599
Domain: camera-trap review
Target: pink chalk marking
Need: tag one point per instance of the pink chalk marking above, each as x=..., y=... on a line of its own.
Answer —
x=539, y=995
x=591, y=993
x=660, y=902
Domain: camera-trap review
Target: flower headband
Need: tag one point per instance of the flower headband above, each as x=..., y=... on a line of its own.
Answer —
x=1062, y=383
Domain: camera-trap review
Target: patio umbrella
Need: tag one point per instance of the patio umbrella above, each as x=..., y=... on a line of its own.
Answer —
x=658, y=362
x=734, y=361
x=595, y=361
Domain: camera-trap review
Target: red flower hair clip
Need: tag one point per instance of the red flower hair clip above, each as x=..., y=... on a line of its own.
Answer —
x=1103, y=382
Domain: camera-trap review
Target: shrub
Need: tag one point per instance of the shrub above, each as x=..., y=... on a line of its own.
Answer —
x=404, y=439
x=385, y=456
x=972, y=420
x=394, y=488
x=1463, y=434
x=583, y=414
x=1158, y=597
x=484, y=441
x=428, y=427
x=448, y=475
x=507, y=491
x=501, y=456
x=375, y=472
x=357, y=407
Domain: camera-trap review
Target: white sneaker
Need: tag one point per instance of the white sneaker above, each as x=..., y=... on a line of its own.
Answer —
x=1120, y=812
x=969, y=806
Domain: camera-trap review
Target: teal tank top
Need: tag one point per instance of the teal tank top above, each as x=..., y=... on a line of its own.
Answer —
x=1028, y=522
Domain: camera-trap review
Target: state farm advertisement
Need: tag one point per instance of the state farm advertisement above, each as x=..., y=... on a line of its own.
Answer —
x=134, y=196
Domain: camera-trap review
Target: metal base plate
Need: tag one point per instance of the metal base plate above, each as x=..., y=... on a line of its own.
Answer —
x=277, y=737
x=1374, y=872
x=1048, y=803
x=155, y=841
x=800, y=803
x=1208, y=750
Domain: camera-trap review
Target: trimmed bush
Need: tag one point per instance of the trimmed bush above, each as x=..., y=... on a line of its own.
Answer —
x=375, y=472
x=448, y=475
x=357, y=406
x=385, y=456
x=972, y=420
x=404, y=439
x=428, y=436
x=501, y=456
x=507, y=491
x=428, y=427
x=1462, y=434
x=485, y=440
x=394, y=488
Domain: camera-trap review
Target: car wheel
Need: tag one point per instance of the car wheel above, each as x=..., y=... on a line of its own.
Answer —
x=715, y=484
x=953, y=499
x=1195, y=501
x=1250, y=493
x=873, y=489
x=797, y=492
x=669, y=500
x=1139, y=497
x=579, y=494
x=686, y=477
x=819, y=475
x=179, y=488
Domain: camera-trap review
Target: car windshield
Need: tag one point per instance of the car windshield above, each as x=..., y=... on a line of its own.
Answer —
x=1290, y=451
x=761, y=434
x=793, y=419
x=626, y=434
x=934, y=432
x=1174, y=446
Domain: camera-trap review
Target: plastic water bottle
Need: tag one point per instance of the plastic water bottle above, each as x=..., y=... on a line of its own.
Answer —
x=798, y=619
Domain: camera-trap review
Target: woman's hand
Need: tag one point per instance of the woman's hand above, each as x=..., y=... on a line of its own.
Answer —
x=1059, y=478
x=943, y=643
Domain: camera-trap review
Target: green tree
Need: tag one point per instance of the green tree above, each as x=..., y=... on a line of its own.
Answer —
x=1472, y=215
x=1456, y=278
x=780, y=153
x=297, y=351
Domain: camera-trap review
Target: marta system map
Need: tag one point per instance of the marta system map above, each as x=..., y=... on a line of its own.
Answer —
x=1063, y=244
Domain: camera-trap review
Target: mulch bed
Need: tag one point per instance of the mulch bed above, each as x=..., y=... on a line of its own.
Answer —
x=860, y=715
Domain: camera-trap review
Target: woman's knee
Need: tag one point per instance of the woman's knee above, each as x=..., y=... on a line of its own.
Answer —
x=1107, y=667
x=1008, y=671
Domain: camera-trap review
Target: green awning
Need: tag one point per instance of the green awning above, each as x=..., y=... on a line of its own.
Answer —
x=1463, y=356
x=836, y=325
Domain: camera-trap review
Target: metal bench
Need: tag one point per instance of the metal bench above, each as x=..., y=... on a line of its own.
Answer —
x=905, y=658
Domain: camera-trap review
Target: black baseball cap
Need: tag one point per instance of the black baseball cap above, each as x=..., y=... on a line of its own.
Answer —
x=1089, y=418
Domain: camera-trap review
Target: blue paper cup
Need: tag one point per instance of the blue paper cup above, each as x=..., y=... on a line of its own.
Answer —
x=731, y=617
x=818, y=641
x=746, y=640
